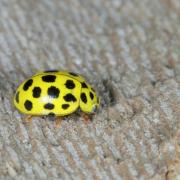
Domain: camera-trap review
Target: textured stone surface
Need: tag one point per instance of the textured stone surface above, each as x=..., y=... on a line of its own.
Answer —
x=129, y=51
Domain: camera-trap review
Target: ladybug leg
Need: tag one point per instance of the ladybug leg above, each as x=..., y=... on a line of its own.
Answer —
x=27, y=119
x=86, y=118
x=58, y=120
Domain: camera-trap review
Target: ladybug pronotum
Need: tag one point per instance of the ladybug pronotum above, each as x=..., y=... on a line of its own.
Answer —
x=56, y=93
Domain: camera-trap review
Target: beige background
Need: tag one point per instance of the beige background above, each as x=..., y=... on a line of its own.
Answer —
x=129, y=51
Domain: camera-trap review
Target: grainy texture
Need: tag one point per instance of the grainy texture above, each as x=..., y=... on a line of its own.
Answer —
x=129, y=52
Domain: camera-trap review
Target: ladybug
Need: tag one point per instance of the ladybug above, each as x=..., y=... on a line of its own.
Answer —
x=55, y=93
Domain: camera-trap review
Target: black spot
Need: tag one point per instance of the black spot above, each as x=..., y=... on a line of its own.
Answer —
x=36, y=92
x=69, y=97
x=51, y=114
x=91, y=95
x=93, y=90
x=49, y=106
x=83, y=97
x=17, y=97
x=65, y=106
x=53, y=70
x=53, y=92
x=73, y=74
x=28, y=105
x=84, y=85
x=27, y=84
x=49, y=78
x=70, y=84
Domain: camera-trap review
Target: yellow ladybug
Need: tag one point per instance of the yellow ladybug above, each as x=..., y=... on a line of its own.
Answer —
x=57, y=93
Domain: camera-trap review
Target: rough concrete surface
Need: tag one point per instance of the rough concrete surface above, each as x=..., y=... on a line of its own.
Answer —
x=129, y=50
